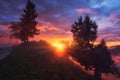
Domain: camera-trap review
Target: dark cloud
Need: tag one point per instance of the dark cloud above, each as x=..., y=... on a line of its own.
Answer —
x=55, y=10
x=10, y=10
x=48, y=10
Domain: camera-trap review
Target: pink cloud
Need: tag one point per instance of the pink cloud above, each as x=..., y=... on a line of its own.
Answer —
x=114, y=18
x=47, y=27
x=108, y=37
x=4, y=27
x=86, y=10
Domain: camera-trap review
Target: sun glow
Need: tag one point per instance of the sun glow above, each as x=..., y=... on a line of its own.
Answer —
x=59, y=48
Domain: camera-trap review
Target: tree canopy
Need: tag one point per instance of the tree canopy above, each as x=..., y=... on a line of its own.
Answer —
x=91, y=56
x=26, y=28
x=84, y=32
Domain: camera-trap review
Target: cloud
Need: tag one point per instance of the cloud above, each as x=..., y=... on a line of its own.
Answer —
x=56, y=16
x=105, y=7
x=86, y=11
x=109, y=34
x=52, y=30
x=48, y=10
x=47, y=27
x=4, y=32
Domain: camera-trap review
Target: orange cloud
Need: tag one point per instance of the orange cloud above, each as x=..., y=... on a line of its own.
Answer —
x=52, y=33
x=110, y=44
x=116, y=43
x=47, y=27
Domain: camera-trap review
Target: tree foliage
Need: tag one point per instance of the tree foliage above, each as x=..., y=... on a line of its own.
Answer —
x=84, y=32
x=15, y=30
x=91, y=56
x=26, y=28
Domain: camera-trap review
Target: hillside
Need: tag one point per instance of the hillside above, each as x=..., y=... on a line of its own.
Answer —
x=37, y=62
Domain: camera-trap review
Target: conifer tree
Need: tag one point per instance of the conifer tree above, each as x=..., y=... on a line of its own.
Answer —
x=84, y=32
x=26, y=28
x=28, y=22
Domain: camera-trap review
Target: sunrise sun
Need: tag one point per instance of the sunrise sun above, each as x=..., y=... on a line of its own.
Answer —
x=59, y=48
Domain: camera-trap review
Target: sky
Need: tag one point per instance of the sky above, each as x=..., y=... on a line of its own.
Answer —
x=55, y=17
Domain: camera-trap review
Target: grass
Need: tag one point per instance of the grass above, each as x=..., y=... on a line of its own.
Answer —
x=39, y=63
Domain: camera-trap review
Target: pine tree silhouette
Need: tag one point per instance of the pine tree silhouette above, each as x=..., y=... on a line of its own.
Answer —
x=28, y=22
x=26, y=28
x=84, y=32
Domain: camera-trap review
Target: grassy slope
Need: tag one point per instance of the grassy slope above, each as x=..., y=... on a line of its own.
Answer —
x=39, y=63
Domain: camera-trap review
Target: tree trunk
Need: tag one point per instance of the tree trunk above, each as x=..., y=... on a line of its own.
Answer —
x=27, y=40
x=24, y=43
x=97, y=74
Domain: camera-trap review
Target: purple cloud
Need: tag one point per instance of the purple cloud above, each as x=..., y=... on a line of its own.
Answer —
x=62, y=13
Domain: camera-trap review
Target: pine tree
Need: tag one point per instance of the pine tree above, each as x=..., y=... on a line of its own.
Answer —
x=84, y=32
x=15, y=30
x=28, y=22
x=26, y=28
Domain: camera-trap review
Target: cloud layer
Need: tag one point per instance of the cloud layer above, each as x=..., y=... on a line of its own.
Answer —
x=56, y=16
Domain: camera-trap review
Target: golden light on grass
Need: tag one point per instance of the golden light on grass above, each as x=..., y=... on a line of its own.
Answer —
x=59, y=48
